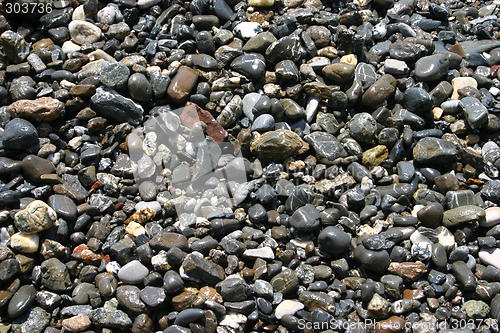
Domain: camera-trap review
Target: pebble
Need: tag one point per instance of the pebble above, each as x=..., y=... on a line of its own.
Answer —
x=83, y=32
x=463, y=214
x=36, y=217
x=287, y=307
x=19, y=134
x=334, y=240
x=133, y=273
x=44, y=109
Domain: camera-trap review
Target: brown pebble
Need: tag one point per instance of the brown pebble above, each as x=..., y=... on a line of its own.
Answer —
x=184, y=80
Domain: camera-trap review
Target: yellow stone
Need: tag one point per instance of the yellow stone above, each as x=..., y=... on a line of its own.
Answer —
x=261, y=3
x=135, y=229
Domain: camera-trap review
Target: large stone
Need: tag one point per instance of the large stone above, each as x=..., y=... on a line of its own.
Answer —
x=474, y=111
x=19, y=134
x=199, y=269
x=181, y=85
x=82, y=32
x=112, y=105
x=464, y=214
x=34, y=167
x=36, y=217
x=326, y=146
x=434, y=151
x=277, y=145
x=44, y=109
x=55, y=275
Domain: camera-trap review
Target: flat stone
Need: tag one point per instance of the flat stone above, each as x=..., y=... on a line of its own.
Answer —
x=21, y=301
x=152, y=296
x=77, y=323
x=285, y=282
x=261, y=252
x=133, y=273
x=464, y=214
x=474, y=111
x=378, y=92
x=116, y=107
x=434, y=151
x=19, y=134
x=63, y=206
x=198, y=268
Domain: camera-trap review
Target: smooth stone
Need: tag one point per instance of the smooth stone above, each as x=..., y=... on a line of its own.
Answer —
x=464, y=276
x=263, y=123
x=339, y=72
x=63, y=206
x=377, y=261
x=181, y=85
x=434, y=151
x=285, y=282
x=234, y=289
x=292, y=109
x=431, y=68
x=259, y=43
x=378, y=92
x=490, y=256
x=21, y=301
x=462, y=215
x=441, y=92
x=306, y=218
x=82, y=32
x=247, y=30
x=116, y=107
x=172, y=282
x=140, y=88
x=474, y=111
x=492, y=217
x=431, y=215
x=133, y=273
x=77, y=323
x=252, y=65
x=24, y=243
x=285, y=48
x=417, y=100
x=19, y=134
x=188, y=316
x=287, y=307
x=334, y=240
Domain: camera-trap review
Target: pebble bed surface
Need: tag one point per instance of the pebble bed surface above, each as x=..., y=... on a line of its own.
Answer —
x=227, y=166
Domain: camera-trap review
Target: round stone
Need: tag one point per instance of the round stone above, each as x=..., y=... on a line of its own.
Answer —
x=334, y=240
x=19, y=134
x=306, y=218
